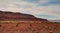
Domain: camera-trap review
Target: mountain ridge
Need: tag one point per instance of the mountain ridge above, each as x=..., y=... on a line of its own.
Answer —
x=18, y=16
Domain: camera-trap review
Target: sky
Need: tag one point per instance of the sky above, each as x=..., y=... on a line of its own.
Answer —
x=47, y=9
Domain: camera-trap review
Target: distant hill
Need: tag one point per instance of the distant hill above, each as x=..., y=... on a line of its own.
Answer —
x=19, y=16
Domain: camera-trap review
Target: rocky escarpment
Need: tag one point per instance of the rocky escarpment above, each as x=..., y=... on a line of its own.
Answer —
x=19, y=16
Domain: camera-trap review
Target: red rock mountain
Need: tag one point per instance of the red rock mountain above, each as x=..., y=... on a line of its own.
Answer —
x=18, y=16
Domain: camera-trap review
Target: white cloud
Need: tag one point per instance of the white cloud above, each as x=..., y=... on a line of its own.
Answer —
x=48, y=10
x=24, y=6
x=21, y=6
x=44, y=1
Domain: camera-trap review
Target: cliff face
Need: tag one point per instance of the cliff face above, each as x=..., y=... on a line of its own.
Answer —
x=18, y=16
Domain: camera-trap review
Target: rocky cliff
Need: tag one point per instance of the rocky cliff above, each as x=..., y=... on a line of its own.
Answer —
x=19, y=16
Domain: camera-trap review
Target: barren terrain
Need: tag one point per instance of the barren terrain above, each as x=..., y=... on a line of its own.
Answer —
x=28, y=27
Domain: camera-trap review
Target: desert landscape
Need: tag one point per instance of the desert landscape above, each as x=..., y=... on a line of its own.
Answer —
x=25, y=23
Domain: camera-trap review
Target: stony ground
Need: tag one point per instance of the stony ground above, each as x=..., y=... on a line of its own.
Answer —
x=22, y=27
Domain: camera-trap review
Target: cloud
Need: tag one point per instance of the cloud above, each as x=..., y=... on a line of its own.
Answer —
x=48, y=2
x=54, y=2
x=13, y=6
x=49, y=9
x=33, y=1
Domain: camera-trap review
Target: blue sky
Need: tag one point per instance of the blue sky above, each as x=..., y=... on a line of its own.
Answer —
x=48, y=9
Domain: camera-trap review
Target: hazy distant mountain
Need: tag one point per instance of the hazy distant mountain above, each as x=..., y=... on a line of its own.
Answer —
x=54, y=20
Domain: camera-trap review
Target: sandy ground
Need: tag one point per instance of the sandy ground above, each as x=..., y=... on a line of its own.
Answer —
x=28, y=27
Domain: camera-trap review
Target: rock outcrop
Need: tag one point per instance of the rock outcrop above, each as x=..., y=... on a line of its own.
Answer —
x=19, y=16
